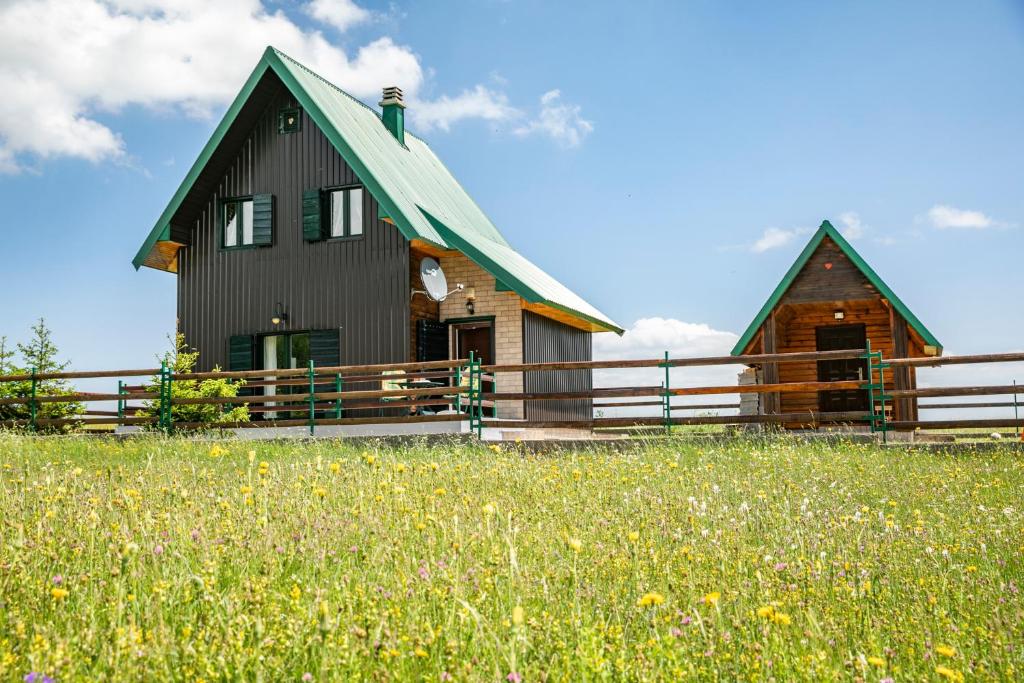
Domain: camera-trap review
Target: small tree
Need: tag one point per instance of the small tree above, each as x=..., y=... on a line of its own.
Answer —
x=182, y=359
x=40, y=353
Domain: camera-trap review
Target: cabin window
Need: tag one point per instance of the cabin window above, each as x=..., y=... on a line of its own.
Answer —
x=237, y=220
x=346, y=212
x=289, y=120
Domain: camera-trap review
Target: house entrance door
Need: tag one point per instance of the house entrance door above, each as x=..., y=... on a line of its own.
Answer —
x=476, y=336
x=838, y=338
x=282, y=352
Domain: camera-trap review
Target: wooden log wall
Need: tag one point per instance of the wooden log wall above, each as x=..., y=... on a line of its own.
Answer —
x=799, y=334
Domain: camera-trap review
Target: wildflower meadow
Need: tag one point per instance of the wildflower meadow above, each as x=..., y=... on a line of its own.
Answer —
x=175, y=559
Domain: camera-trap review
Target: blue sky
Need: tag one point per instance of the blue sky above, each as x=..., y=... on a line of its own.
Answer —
x=664, y=159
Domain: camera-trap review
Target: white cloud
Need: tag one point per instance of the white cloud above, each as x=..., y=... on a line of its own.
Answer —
x=479, y=103
x=772, y=238
x=943, y=216
x=851, y=226
x=67, y=66
x=96, y=57
x=649, y=338
x=559, y=121
x=341, y=14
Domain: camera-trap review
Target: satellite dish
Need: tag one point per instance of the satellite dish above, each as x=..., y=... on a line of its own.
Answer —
x=433, y=279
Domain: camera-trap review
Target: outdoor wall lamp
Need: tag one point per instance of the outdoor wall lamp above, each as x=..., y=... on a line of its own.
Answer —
x=471, y=300
x=279, y=315
x=839, y=315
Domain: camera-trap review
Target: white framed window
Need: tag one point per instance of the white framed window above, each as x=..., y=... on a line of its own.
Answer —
x=236, y=219
x=346, y=212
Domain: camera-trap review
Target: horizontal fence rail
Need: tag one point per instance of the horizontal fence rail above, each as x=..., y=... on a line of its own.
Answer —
x=466, y=390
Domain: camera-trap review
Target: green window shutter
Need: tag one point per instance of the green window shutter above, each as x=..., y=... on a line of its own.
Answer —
x=263, y=219
x=325, y=348
x=241, y=350
x=312, y=216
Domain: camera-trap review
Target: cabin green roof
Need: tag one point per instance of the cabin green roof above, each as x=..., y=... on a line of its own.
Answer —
x=827, y=230
x=414, y=189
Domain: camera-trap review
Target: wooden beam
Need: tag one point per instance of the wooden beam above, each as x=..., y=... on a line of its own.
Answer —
x=561, y=316
x=427, y=248
x=934, y=362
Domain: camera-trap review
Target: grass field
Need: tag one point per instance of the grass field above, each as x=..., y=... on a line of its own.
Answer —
x=169, y=559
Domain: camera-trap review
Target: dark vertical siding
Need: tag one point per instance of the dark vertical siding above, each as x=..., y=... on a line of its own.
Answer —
x=546, y=340
x=360, y=286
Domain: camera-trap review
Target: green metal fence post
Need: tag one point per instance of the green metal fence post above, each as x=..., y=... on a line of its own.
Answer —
x=456, y=384
x=876, y=416
x=120, y=401
x=338, y=384
x=870, y=387
x=1016, y=415
x=479, y=399
x=666, y=400
x=475, y=415
x=32, y=408
x=166, y=419
x=312, y=399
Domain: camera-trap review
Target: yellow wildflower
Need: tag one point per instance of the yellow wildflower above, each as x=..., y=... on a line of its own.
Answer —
x=575, y=543
x=420, y=652
x=876, y=661
x=517, y=615
x=946, y=651
x=651, y=599
x=949, y=674
x=335, y=467
x=488, y=509
x=712, y=598
x=59, y=593
x=633, y=536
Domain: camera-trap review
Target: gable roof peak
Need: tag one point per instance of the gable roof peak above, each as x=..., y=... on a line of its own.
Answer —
x=828, y=230
x=406, y=180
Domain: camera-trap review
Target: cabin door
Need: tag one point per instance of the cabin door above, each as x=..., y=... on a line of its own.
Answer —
x=478, y=337
x=838, y=338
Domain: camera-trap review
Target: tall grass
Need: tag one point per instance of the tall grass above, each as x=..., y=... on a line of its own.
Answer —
x=185, y=560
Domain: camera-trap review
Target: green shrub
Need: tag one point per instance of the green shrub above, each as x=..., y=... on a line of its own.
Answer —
x=182, y=359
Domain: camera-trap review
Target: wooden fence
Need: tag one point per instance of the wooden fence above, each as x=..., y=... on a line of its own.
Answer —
x=463, y=389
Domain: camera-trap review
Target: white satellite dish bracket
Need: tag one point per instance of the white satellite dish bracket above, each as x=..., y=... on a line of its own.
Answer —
x=435, y=282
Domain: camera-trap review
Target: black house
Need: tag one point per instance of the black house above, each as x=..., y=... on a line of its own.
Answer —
x=300, y=233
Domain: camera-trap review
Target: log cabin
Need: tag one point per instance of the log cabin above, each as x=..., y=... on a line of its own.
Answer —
x=300, y=231
x=831, y=299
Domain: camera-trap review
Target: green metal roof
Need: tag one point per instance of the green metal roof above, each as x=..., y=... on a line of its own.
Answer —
x=827, y=230
x=411, y=185
x=512, y=270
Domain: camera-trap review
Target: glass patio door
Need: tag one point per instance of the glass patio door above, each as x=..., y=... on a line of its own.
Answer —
x=283, y=352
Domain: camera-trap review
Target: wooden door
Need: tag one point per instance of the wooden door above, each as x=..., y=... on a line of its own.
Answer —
x=478, y=340
x=837, y=338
